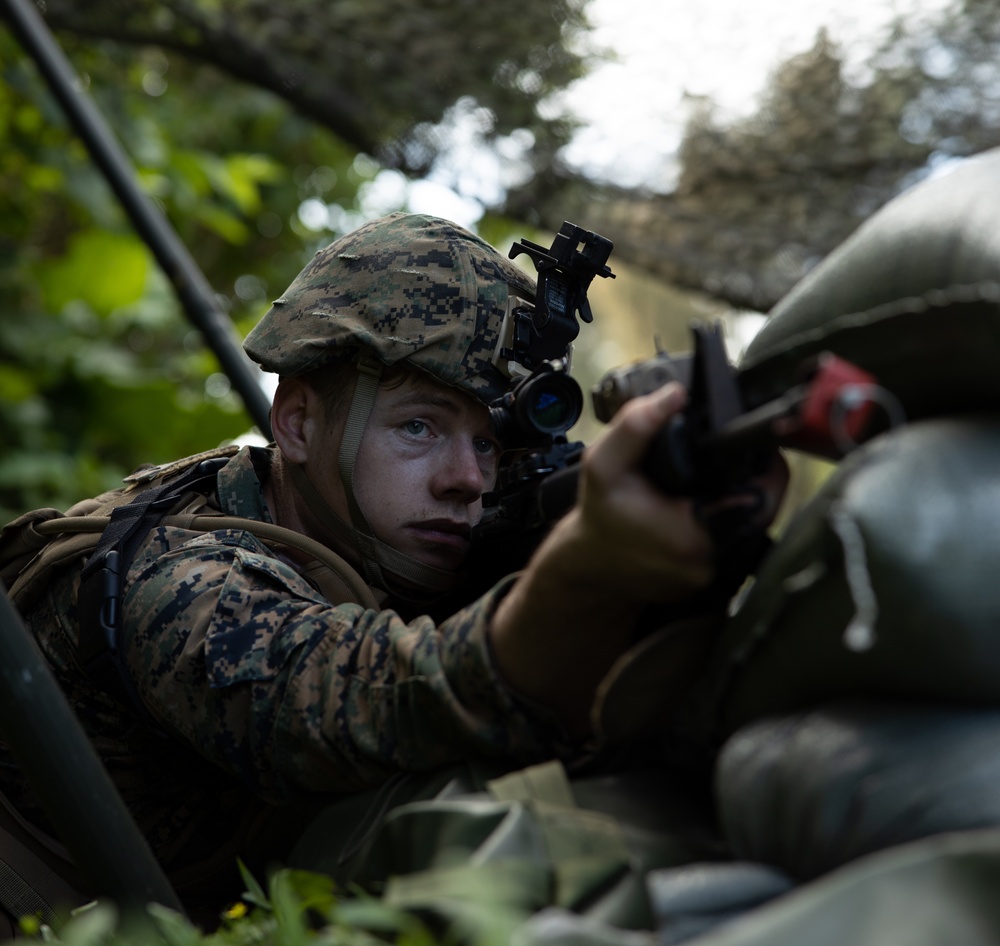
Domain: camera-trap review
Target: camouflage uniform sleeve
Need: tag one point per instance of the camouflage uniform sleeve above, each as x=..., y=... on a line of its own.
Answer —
x=238, y=655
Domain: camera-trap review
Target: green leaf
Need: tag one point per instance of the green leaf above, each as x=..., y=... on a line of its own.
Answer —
x=93, y=925
x=105, y=270
x=288, y=911
x=223, y=222
x=379, y=917
x=314, y=891
x=43, y=179
x=15, y=384
x=176, y=929
x=254, y=893
x=239, y=177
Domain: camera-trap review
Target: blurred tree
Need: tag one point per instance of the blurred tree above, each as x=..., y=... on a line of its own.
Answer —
x=379, y=74
x=760, y=201
x=98, y=370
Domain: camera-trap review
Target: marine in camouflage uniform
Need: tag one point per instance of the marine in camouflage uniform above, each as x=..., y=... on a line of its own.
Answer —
x=267, y=688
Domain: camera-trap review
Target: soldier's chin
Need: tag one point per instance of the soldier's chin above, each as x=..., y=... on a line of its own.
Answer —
x=446, y=558
x=444, y=550
x=416, y=590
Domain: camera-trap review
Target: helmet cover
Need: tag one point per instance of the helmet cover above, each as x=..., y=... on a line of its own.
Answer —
x=408, y=287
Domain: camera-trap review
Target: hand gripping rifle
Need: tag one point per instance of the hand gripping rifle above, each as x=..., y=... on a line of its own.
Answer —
x=713, y=449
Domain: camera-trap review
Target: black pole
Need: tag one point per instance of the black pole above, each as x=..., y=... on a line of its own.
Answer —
x=188, y=281
x=77, y=794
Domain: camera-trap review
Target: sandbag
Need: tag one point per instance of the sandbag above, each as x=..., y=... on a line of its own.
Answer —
x=884, y=585
x=942, y=890
x=689, y=902
x=812, y=791
x=913, y=296
x=460, y=844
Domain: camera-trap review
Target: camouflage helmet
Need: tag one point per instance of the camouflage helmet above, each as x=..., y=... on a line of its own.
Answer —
x=410, y=288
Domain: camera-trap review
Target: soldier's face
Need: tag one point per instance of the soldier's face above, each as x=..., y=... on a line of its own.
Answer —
x=426, y=458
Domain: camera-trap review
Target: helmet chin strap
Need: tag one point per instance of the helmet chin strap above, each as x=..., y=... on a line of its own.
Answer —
x=384, y=567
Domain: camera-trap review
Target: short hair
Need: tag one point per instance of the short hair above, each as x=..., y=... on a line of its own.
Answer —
x=335, y=382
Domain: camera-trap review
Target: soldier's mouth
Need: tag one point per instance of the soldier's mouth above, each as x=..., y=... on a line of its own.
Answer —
x=447, y=532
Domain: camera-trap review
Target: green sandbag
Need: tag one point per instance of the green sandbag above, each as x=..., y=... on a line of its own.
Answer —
x=884, y=585
x=913, y=296
x=467, y=842
x=942, y=890
x=812, y=791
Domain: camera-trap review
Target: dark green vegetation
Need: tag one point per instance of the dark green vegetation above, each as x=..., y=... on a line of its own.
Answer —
x=259, y=128
x=297, y=908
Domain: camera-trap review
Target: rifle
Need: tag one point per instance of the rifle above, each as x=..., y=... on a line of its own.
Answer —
x=714, y=448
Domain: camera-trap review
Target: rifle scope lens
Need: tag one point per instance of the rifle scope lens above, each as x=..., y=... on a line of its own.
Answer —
x=540, y=408
x=552, y=411
x=550, y=404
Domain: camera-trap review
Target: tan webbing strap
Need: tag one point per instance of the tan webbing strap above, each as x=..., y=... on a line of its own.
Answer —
x=373, y=551
x=365, y=392
x=318, y=506
x=402, y=566
x=268, y=533
x=426, y=576
x=337, y=568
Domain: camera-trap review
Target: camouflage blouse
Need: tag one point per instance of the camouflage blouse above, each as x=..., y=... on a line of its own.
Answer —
x=265, y=689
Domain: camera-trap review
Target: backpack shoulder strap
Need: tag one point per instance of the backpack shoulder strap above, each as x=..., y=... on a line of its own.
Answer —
x=32, y=547
x=46, y=539
x=102, y=577
x=21, y=542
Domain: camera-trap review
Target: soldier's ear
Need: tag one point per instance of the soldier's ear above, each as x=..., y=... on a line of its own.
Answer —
x=296, y=415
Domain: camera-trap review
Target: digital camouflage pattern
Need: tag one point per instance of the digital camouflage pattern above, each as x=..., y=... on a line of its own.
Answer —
x=407, y=287
x=269, y=689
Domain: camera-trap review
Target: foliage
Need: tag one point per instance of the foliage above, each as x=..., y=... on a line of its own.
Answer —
x=830, y=144
x=99, y=371
x=96, y=370
x=301, y=907
x=380, y=74
x=298, y=908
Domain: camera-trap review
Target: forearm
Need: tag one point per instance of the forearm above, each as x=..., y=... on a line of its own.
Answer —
x=558, y=630
x=624, y=545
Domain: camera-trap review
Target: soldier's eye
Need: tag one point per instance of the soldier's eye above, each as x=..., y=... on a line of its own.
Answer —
x=486, y=447
x=416, y=428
